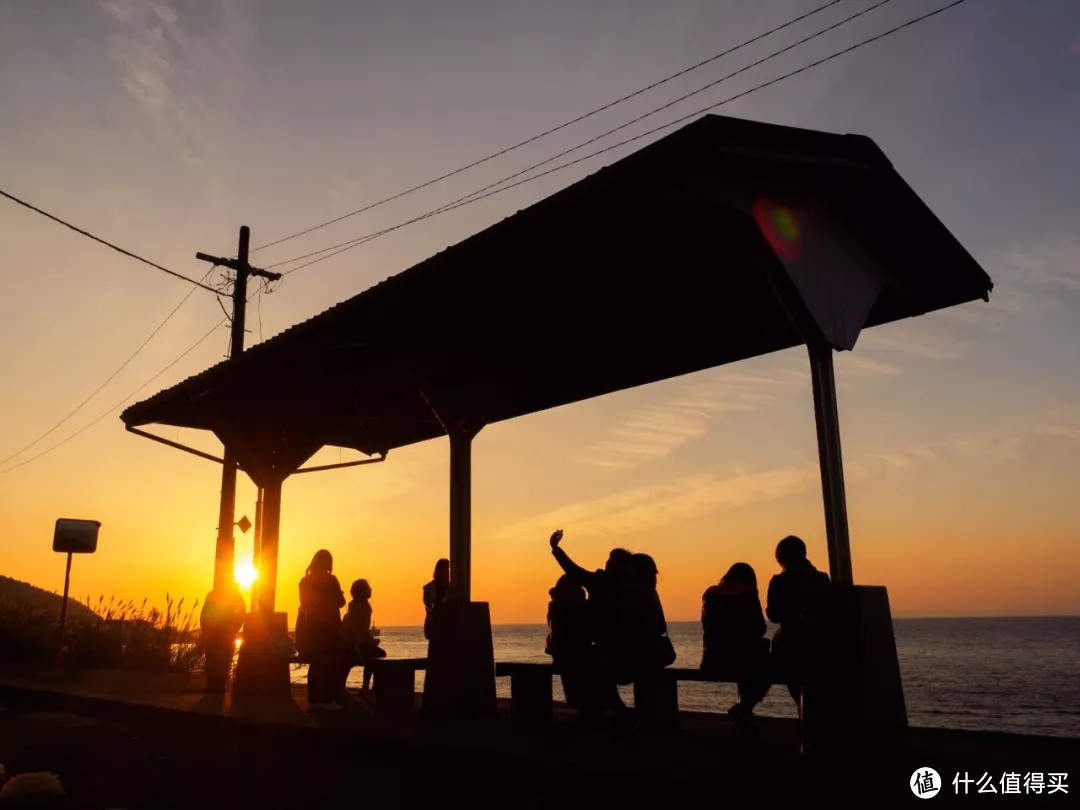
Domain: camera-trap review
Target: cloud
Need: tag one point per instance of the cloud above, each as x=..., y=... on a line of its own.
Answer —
x=144, y=50
x=1050, y=266
x=921, y=342
x=181, y=69
x=647, y=507
x=654, y=432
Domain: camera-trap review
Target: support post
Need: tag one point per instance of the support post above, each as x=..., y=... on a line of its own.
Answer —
x=461, y=514
x=832, y=468
x=268, y=547
x=460, y=679
x=262, y=667
x=63, y=612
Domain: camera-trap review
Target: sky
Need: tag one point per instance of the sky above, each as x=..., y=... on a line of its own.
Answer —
x=164, y=125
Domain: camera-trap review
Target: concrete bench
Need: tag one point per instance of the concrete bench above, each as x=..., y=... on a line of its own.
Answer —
x=393, y=682
x=656, y=700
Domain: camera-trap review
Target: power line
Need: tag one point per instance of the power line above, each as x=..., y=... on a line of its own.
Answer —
x=126, y=399
x=471, y=198
x=553, y=130
x=118, y=405
x=108, y=379
x=453, y=203
x=105, y=242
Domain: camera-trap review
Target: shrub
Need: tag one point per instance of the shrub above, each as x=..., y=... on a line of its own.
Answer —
x=116, y=634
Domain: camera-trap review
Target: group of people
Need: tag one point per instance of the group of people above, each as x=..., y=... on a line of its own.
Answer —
x=330, y=643
x=734, y=628
x=607, y=628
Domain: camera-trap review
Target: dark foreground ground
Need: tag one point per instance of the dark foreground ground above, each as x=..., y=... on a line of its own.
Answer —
x=116, y=754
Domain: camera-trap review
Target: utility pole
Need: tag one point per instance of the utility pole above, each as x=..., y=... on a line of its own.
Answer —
x=225, y=551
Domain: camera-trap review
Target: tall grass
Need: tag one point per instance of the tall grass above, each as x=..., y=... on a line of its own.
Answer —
x=113, y=633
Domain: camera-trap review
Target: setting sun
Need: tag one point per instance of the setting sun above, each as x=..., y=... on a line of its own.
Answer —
x=245, y=574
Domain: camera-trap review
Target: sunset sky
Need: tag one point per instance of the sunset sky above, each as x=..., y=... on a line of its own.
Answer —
x=164, y=125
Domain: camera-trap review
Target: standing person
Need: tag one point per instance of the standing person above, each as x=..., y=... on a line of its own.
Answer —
x=361, y=638
x=733, y=630
x=569, y=643
x=221, y=618
x=797, y=588
x=321, y=600
x=604, y=588
x=436, y=592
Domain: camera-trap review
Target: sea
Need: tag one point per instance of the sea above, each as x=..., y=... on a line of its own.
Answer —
x=1018, y=675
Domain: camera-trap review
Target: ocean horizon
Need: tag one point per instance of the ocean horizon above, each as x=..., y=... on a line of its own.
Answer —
x=1017, y=674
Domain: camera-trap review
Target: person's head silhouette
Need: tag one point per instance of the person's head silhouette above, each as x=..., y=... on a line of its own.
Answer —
x=740, y=574
x=644, y=570
x=618, y=561
x=442, y=571
x=360, y=590
x=322, y=562
x=567, y=590
x=790, y=551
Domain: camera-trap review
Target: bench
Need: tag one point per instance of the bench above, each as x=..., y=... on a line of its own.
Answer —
x=394, y=680
x=657, y=700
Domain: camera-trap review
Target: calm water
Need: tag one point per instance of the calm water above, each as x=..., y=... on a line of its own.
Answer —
x=1012, y=674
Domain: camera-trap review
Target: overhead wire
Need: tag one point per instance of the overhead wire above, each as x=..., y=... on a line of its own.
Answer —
x=108, y=379
x=115, y=407
x=105, y=242
x=491, y=189
x=554, y=129
x=122, y=402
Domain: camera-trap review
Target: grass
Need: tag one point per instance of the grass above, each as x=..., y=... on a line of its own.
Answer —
x=116, y=634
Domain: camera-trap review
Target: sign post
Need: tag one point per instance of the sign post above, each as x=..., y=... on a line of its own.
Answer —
x=72, y=537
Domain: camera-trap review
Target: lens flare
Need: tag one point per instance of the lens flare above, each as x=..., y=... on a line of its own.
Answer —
x=780, y=228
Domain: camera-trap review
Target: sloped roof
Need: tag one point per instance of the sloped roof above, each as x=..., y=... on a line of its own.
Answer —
x=656, y=266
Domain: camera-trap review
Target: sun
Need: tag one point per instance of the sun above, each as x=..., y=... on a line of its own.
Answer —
x=245, y=574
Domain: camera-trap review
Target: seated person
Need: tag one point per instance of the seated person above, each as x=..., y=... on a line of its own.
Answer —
x=734, y=638
x=361, y=639
x=569, y=643
x=798, y=588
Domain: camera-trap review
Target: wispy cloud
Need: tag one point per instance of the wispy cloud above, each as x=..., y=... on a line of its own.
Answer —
x=177, y=74
x=923, y=343
x=651, y=506
x=647, y=507
x=653, y=432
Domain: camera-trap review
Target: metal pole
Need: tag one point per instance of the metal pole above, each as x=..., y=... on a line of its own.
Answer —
x=827, y=418
x=63, y=611
x=225, y=551
x=268, y=547
x=461, y=515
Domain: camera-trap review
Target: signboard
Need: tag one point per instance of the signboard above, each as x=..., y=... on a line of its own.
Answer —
x=76, y=536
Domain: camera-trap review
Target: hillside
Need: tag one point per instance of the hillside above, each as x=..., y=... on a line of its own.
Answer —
x=23, y=593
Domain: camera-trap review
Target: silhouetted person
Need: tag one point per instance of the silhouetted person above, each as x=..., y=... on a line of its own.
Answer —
x=436, y=592
x=792, y=592
x=361, y=639
x=221, y=618
x=646, y=647
x=569, y=643
x=321, y=599
x=734, y=638
x=603, y=587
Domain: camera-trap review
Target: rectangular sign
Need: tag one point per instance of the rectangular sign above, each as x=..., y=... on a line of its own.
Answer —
x=76, y=536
